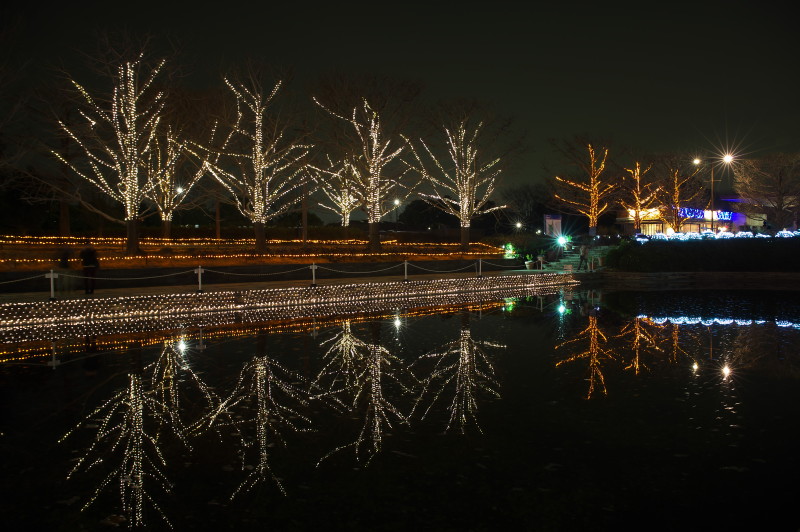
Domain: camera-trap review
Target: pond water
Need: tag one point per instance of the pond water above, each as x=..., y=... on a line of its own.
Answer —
x=575, y=410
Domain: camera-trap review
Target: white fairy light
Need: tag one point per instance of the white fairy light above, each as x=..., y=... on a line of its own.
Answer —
x=262, y=168
x=464, y=184
x=464, y=366
x=119, y=160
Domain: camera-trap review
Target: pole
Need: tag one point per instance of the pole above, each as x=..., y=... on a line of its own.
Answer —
x=405, y=271
x=712, y=199
x=199, y=271
x=313, y=274
x=52, y=276
x=480, y=268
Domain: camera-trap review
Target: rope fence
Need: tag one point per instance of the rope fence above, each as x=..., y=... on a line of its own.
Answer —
x=53, y=275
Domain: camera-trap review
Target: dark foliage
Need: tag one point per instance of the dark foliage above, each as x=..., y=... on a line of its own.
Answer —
x=733, y=255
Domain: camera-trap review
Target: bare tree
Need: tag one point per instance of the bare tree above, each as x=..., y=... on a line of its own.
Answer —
x=463, y=182
x=528, y=202
x=589, y=194
x=366, y=167
x=637, y=195
x=679, y=186
x=118, y=138
x=261, y=161
x=167, y=165
x=340, y=189
x=770, y=188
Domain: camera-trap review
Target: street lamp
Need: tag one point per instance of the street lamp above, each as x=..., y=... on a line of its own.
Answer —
x=396, y=211
x=727, y=159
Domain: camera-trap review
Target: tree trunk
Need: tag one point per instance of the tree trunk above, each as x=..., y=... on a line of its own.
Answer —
x=593, y=230
x=63, y=218
x=261, y=237
x=374, y=237
x=132, y=237
x=166, y=228
x=464, y=238
x=217, y=220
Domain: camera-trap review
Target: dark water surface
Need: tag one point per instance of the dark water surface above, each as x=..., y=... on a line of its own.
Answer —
x=575, y=411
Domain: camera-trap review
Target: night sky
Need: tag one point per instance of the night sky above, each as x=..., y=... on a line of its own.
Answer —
x=662, y=77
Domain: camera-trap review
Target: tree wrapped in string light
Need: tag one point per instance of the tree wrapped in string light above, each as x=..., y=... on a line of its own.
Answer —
x=464, y=182
x=118, y=138
x=369, y=167
x=258, y=162
x=341, y=190
x=637, y=195
x=679, y=186
x=590, y=194
x=165, y=163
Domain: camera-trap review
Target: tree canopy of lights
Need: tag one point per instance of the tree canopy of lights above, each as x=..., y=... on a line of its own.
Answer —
x=463, y=182
x=368, y=166
x=589, y=195
x=679, y=186
x=259, y=162
x=118, y=138
x=637, y=195
x=340, y=189
x=164, y=164
x=770, y=188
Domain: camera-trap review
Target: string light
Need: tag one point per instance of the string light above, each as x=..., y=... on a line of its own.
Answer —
x=263, y=176
x=464, y=186
x=464, y=366
x=589, y=344
x=49, y=320
x=119, y=163
x=589, y=198
x=364, y=169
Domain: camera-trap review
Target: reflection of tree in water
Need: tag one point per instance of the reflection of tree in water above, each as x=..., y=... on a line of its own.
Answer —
x=462, y=368
x=676, y=350
x=368, y=366
x=343, y=359
x=640, y=336
x=172, y=377
x=264, y=404
x=122, y=436
x=589, y=344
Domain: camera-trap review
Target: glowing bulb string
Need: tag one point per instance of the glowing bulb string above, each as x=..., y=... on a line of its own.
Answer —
x=26, y=322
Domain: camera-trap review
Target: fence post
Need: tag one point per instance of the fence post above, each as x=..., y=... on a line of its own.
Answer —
x=405, y=271
x=53, y=362
x=199, y=271
x=200, y=345
x=52, y=276
x=313, y=274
